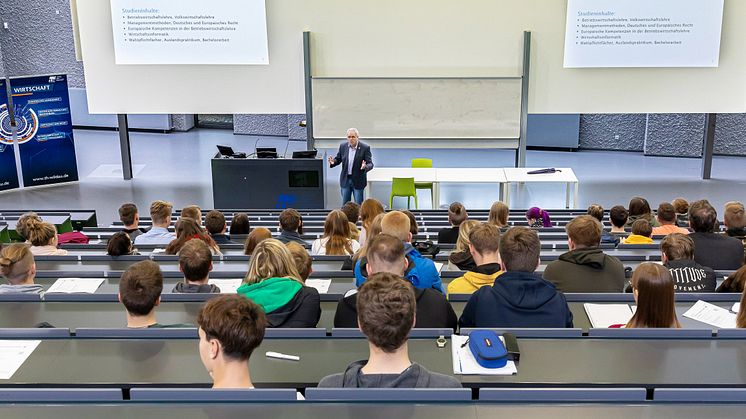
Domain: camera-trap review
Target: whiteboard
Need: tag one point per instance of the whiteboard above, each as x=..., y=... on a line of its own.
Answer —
x=400, y=108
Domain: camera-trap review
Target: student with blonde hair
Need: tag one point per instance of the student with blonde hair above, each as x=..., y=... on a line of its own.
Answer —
x=43, y=238
x=498, y=216
x=653, y=288
x=484, y=243
x=18, y=268
x=461, y=255
x=273, y=282
x=369, y=210
x=160, y=213
x=336, y=239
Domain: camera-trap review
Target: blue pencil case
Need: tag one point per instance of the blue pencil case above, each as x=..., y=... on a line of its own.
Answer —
x=488, y=349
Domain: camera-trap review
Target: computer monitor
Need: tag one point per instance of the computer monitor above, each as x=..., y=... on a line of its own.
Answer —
x=225, y=151
x=307, y=154
x=266, y=153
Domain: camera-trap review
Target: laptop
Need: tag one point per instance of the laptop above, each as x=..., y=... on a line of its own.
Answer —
x=266, y=153
x=306, y=154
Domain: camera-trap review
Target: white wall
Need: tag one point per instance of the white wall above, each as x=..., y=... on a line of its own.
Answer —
x=409, y=38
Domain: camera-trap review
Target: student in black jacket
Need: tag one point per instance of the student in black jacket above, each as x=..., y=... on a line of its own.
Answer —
x=688, y=276
x=717, y=251
x=456, y=215
x=386, y=254
x=216, y=226
x=519, y=298
x=291, y=227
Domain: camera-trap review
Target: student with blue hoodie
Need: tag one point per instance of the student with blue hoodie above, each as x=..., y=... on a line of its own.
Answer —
x=423, y=273
x=520, y=298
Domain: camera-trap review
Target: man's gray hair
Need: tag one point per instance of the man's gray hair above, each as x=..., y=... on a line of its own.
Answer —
x=353, y=131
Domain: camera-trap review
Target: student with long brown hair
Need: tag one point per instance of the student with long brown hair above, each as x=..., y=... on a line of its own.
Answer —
x=369, y=210
x=336, y=239
x=499, y=216
x=273, y=282
x=188, y=229
x=653, y=288
x=256, y=236
x=741, y=317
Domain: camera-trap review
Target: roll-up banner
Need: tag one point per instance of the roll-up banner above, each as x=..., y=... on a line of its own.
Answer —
x=8, y=169
x=44, y=129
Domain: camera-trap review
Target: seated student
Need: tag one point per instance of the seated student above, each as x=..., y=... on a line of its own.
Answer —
x=618, y=217
x=194, y=212
x=386, y=254
x=230, y=328
x=413, y=227
x=641, y=233
x=717, y=251
x=336, y=239
x=520, y=298
x=639, y=209
x=374, y=229
x=597, y=211
x=734, y=219
x=256, y=236
x=130, y=217
x=585, y=268
x=187, y=229
x=302, y=259
x=23, y=221
x=424, y=274
x=484, y=243
x=291, y=227
x=667, y=220
x=735, y=282
x=274, y=283
x=386, y=306
x=369, y=210
x=18, y=268
x=43, y=238
x=140, y=292
x=681, y=206
x=195, y=262
x=688, y=275
x=240, y=224
x=653, y=288
x=160, y=213
x=538, y=218
x=217, y=227
x=456, y=215
x=120, y=244
x=461, y=256
x=498, y=216
x=352, y=211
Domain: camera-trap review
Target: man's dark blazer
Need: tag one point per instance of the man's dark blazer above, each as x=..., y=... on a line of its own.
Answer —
x=359, y=176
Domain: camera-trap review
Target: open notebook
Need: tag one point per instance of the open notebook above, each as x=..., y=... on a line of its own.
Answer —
x=604, y=315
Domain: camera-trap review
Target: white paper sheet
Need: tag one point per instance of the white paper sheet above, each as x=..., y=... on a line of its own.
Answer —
x=465, y=364
x=711, y=314
x=75, y=285
x=438, y=266
x=321, y=285
x=736, y=308
x=13, y=353
x=227, y=286
x=604, y=315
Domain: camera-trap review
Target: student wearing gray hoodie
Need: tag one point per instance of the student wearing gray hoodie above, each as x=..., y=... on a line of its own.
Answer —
x=386, y=306
x=18, y=268
x=195, y=262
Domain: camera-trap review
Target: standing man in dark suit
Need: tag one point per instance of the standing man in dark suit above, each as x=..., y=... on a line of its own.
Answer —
x=356, y=161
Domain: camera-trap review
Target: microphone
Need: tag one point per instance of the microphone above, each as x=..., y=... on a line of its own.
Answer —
x=285, y=153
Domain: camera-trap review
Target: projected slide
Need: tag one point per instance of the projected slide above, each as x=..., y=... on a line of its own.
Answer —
x=190, y=32
x=643, y=33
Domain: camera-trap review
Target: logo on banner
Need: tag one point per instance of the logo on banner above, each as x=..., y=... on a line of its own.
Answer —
x=27, y=124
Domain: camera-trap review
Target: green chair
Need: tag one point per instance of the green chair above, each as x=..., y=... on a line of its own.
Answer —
x=424, y=164
x=403, y=187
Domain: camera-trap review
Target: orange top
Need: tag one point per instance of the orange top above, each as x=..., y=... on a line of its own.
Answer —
x=668, y=229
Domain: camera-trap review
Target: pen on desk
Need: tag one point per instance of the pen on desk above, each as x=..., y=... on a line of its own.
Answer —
x=278, y=355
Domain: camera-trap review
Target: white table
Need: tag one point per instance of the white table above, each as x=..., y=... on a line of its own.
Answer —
x=563, y=175
x=438, y=176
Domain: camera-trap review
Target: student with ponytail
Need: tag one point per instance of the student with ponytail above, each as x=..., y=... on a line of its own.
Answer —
x=538, y=218
x=43, y=238
x=18, y=268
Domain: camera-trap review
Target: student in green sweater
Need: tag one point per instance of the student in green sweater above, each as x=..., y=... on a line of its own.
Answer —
x=274, y=283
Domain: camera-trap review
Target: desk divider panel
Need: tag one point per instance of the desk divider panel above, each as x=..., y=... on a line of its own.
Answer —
x=389, y=394
x=82, y=298
x=650, y=333
x=700, y=395
x=20, y=298
x=200, y=395
x=731, y=334
x=60, y=395
x=35, y=333
x=150, y=333
x=294, y=333
x=563, y=395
